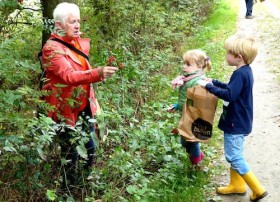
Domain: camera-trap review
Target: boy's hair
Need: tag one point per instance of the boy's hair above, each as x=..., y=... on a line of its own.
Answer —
x=63, y=10
x=240, y=44
x=199, y=57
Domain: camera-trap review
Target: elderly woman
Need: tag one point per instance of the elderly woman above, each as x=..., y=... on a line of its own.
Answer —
x=69, y=81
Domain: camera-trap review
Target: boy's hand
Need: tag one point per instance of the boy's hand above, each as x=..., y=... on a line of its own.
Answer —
x=208, y=79
x=202, y=83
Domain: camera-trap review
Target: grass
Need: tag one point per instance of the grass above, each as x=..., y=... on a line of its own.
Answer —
x=215, y=29
x=210, y=37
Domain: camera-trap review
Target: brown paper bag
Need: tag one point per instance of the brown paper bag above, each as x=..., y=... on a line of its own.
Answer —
x=196, y=123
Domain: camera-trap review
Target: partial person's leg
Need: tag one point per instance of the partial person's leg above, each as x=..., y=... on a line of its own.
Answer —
x=70, y=154
x=249, y=8
x=90, y=152
x=193, y=149
x=233, y=148
x=87, y=127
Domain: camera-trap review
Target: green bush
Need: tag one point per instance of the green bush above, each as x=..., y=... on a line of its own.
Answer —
x=140, y=160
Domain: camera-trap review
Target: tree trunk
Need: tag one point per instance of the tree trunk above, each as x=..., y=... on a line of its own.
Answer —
x=48, y=7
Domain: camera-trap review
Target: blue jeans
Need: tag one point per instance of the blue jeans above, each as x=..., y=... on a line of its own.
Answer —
x=249, y=7
x=192, y=148
x=233, y=147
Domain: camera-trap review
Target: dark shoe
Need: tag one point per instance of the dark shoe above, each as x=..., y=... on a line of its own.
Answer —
x=249, y=17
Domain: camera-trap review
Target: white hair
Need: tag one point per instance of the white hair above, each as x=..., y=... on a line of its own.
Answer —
x=63, y=10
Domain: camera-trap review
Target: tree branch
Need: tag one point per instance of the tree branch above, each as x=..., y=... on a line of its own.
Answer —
x=26, y=8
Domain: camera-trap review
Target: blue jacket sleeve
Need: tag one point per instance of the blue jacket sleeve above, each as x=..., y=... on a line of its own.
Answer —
x=227, y=92
x=219, y=83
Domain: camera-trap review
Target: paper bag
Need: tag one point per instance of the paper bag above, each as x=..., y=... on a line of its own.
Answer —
x=198, y=113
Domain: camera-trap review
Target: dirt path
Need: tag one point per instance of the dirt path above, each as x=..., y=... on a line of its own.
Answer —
x=262, y=147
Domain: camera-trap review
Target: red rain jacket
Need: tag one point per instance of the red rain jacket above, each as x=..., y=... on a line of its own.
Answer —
x=68, y=82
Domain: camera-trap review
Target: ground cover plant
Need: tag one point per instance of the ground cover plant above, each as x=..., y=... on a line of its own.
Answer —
x=140, y=160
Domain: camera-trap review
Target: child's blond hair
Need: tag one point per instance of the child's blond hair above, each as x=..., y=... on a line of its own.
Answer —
x=199, y=57
x=240, y=44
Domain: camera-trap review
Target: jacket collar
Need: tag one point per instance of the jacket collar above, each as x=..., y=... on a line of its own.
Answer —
x=84, y=43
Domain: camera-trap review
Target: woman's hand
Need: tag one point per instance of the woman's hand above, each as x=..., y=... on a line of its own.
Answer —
x=108, y=71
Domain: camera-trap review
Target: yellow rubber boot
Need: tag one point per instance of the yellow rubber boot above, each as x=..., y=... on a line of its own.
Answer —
x=258, y=191
x=236, y=186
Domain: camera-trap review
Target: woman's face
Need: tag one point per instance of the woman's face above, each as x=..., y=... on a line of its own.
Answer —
x=71, y=26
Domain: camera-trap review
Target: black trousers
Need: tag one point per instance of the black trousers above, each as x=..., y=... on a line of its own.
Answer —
x=69, y=152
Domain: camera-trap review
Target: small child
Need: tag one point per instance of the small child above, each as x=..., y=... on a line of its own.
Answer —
x=195, y=64
x=237, y=117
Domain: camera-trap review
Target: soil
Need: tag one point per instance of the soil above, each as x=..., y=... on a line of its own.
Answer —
x=262, y=146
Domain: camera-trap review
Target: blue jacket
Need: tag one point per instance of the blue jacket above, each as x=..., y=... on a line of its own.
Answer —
x=237, y=116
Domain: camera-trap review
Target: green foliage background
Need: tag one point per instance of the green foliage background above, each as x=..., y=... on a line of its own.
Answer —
x=140, y=160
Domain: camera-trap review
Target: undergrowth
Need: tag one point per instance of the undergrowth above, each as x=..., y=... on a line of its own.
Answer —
x=141, y=160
